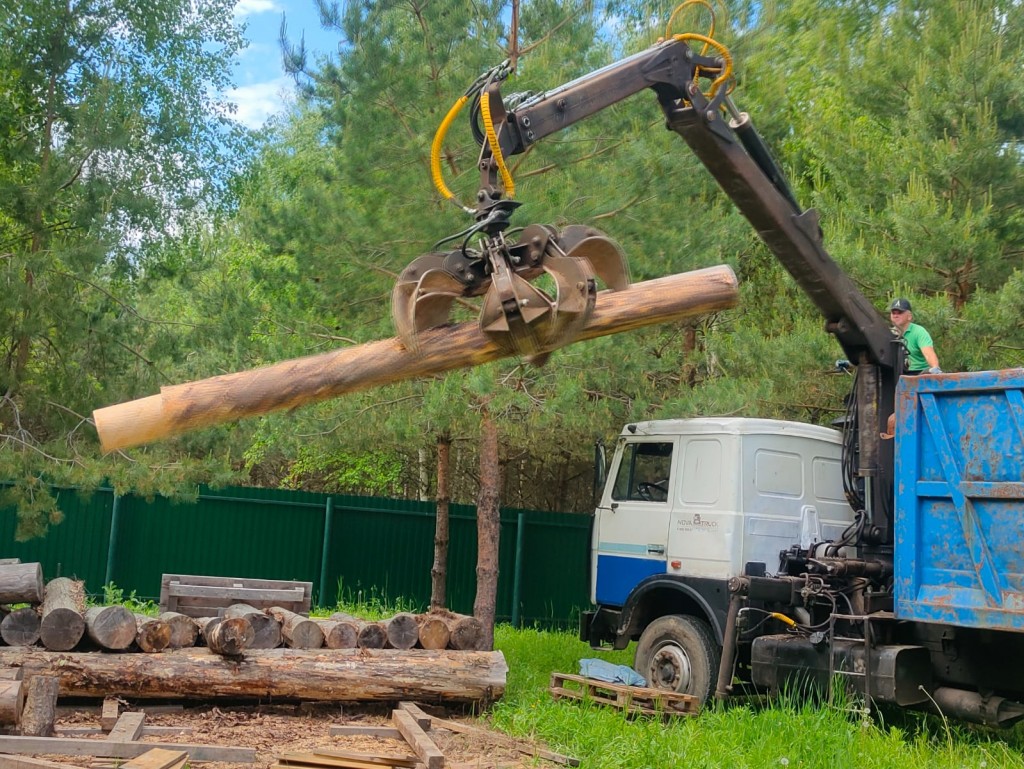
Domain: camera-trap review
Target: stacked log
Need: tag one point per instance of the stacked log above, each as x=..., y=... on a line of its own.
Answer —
x=369, y=634
x=21, y=583
x=110, y=627
x=12, y=696
x=62, y=624
x=184, y=630
x=339, y=634
x=20, y=627
x=151, y=634
x=297, y=631
x=266, y=629
x=228, y=636
x=402, y=631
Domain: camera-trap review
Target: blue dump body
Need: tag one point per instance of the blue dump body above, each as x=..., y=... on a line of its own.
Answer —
x=960, y=499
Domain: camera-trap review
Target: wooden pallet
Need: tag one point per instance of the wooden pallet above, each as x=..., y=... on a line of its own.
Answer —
x=201, y=596
x=631, y=699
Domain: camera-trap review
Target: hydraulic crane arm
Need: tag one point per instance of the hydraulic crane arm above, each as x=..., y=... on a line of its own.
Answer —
x=736, y=156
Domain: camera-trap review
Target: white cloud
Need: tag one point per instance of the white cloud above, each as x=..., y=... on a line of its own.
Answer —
x=252, y=7
x=258, y=101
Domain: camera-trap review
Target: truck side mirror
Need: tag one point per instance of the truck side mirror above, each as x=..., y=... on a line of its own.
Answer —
x=600, y=469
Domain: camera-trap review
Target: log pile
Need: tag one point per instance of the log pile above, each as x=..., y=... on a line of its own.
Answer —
x=104, y=651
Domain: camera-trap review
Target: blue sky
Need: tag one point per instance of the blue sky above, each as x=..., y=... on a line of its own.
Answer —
x=262, y=88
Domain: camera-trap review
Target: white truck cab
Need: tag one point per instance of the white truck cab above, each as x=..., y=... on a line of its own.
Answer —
x=689, y=504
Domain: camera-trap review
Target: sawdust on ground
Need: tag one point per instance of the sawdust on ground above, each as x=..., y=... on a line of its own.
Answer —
x=275, y=729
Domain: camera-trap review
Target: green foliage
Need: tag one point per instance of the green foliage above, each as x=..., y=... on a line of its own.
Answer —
x=372, y=603
x=113, y=595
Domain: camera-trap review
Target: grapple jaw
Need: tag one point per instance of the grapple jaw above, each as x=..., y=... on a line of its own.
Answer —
x=518, y=315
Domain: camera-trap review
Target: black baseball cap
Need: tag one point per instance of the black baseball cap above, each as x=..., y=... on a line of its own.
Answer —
x=902, y=305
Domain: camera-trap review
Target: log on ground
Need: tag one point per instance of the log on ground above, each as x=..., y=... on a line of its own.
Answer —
x=63, y=623
x=329, y=675
x=12, y=700
x=40, y=711
x=297, y=382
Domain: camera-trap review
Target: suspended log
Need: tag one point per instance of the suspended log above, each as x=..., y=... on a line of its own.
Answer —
x=402, y=631
x=298, y=632
x=229, y=636
x=62, y=624
x=432, y=631
x=339, y=634
x=12, y=700
x=343, y=675
x=297, y=382
x=20, y=627
x=40, y=711
x=110, y=627
x=21, y=583
x=266, y=629
x=184, y=630
x=151, y=634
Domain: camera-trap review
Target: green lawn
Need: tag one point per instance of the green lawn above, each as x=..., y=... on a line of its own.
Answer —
x=783, y=735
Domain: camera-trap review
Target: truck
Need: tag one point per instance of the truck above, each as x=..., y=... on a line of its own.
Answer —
x=745, y=554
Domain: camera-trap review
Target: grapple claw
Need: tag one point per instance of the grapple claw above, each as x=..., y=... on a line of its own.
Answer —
x=422, y=298
x=516, y=314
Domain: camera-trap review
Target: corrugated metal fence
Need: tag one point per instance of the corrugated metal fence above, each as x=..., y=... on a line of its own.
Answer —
x=357, y=547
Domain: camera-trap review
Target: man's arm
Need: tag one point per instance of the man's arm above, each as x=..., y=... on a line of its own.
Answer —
x=930, y=356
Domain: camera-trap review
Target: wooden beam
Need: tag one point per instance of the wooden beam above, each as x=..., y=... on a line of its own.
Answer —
x=286, y=385
x=58, y=746
x=157, y=758
x=24, y=762
x=418, y=740
x=127, y=728
x=388, y=732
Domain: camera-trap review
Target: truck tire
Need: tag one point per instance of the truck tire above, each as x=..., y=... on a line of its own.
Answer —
x=679, y=653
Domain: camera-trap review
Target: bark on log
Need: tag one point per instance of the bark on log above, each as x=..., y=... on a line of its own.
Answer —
x=63, y=624
x=298, y=632
x=433, y=631
x=293, y=383
x=12, y=700
x=184, y=630
x=20, y=627
x=40, y=711
x=229, y=636
x=152, y=634
x=402, y=631
x=110, y=627
x=352, y=675
x=21, y=583
x=339, y=634
x=266, y=629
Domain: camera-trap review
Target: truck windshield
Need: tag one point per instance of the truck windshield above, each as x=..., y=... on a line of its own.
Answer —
x=644, y=473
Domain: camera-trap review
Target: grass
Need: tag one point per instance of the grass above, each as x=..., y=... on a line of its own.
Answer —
x=788, y=733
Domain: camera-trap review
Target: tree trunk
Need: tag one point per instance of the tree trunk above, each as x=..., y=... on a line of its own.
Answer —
x=350, y=675
x=293, y=383
x=111, y=627
x=402, y=631
x=298, y=632
x=62, y=625
x=21, y=583
x=20, y=627
x=439, y=571
x=433, y=631
x=12, y=700
x=229, y=636
x=339, y=634
x=151, y=634
x=488, y=526
x=266, y=629
x=184, y=629
x=40, y=709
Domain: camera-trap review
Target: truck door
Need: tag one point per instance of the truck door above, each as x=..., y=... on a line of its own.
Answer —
x=631, y=532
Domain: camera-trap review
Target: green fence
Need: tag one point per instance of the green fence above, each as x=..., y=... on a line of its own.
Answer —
x=363, y=546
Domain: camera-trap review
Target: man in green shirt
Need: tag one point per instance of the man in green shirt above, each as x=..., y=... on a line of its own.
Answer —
x=921, y=357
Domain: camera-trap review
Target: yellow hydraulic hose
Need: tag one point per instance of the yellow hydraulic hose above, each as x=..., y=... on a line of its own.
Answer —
x=726, y=57
x=435, y=151
x=492, y=141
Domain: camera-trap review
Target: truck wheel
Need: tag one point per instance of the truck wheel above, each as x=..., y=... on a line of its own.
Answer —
x=679, y=653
